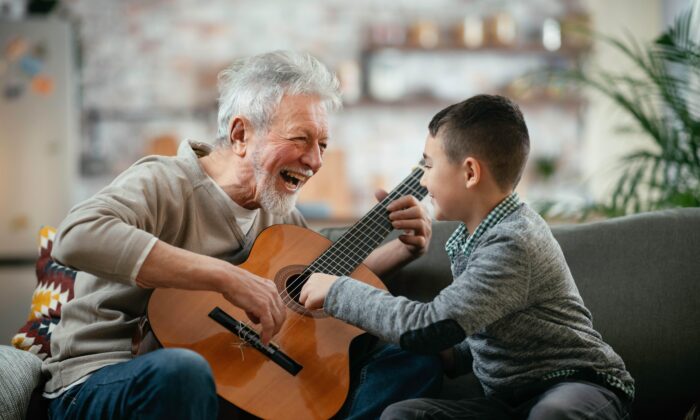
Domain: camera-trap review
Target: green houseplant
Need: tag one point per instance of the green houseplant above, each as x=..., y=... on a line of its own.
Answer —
x=663, y=99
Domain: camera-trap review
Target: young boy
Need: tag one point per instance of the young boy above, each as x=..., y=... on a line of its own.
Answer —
x=513, y=305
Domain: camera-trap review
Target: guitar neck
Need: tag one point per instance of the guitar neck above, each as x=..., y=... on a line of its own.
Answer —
x=364, y=236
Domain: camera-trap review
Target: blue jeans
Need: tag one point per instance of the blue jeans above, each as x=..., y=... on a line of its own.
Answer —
x=178, y=384
x=164, y=384
x=388, y=375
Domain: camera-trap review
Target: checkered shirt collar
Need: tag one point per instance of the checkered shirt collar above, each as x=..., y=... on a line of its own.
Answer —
x=461, y=242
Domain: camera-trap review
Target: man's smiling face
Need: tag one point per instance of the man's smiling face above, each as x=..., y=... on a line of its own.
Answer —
x=290, y=152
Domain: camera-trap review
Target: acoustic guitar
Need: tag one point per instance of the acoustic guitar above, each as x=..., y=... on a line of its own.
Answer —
x=304, y=371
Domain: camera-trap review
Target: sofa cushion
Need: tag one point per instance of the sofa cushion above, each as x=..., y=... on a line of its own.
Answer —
x=640, y=278
x=54, y=288
x=21, y=373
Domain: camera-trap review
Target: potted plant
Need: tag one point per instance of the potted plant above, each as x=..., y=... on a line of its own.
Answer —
x=663, y=99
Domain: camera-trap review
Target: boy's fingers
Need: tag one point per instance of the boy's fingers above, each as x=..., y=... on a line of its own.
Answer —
x=414, y=240
x=409, y=213
x=416, y=225
x=403, y=202
x=303, y=294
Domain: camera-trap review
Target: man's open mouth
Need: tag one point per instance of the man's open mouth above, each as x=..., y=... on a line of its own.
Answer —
x=293, y=180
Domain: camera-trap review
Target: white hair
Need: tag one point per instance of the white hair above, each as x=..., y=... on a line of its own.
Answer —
x=253, y=87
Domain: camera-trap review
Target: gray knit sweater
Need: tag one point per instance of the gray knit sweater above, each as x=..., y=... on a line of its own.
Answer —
x=513, y=304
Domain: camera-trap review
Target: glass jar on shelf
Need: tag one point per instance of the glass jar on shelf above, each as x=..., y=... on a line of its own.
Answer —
x=470, y=32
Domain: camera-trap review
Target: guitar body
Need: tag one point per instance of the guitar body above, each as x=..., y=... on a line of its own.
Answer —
x=243, y=375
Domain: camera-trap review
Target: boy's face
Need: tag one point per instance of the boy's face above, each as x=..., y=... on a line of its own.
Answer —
x=444, y=180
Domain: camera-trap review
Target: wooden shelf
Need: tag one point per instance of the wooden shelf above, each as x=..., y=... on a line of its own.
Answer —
x=438, y=103
x=567, y=51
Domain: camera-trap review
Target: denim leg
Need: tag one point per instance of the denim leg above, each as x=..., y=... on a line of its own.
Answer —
x=167, y=383
x=389, y=375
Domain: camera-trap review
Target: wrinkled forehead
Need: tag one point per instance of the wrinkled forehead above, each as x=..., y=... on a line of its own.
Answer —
x=302, y=113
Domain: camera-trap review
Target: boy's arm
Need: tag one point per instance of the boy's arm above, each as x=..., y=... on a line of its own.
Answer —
x=494, y=285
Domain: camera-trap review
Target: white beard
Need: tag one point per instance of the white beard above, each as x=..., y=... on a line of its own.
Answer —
x=272, y=200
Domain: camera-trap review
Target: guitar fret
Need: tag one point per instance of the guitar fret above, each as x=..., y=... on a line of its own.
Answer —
x=364, y=236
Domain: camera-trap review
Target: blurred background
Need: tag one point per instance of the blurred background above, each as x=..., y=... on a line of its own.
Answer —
x=89, y=86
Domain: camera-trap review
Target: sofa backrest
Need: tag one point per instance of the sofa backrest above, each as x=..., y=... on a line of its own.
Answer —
x=639, y=276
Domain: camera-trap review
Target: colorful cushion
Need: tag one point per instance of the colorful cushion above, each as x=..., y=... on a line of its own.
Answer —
x=54, y=288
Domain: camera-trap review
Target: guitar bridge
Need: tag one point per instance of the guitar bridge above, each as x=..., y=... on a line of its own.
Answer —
x=251, y=337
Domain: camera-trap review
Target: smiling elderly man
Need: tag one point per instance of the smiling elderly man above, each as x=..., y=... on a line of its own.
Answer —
x=179, y=222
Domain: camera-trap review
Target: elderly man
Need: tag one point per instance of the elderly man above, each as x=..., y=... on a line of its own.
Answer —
x=179, y=222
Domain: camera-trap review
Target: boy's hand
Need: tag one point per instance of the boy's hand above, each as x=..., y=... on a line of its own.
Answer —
x=408, y=214
x=313, y=294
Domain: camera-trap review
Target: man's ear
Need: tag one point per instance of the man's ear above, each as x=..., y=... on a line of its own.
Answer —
x=239, y=133
x=472, y=172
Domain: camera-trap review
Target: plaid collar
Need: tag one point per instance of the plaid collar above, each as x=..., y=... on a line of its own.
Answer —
x=461, y=242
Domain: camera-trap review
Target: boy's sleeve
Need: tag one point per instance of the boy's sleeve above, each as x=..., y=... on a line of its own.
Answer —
x=494, y=285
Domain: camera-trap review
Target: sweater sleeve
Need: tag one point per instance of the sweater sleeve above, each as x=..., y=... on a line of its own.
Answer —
x=494, y=284
x=110, y=234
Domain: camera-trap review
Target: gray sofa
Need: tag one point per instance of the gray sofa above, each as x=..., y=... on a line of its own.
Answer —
x=639, y=276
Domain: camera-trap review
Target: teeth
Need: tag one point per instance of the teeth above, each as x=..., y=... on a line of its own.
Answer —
x=299, y=177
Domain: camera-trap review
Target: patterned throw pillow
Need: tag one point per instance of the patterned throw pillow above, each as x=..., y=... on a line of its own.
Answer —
x=54, y=288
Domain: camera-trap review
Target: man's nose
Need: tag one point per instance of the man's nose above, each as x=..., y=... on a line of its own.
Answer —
x=422, y=180
x=312, y=157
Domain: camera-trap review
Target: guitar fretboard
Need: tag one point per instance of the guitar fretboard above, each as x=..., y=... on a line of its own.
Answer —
x=364, y=236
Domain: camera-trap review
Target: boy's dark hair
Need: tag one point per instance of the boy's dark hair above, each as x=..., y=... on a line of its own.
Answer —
x=490, y=128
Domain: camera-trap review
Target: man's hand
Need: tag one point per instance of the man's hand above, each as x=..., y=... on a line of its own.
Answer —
x=258, y=297
x=313, y=294
x=167, y=266
x=408, y=214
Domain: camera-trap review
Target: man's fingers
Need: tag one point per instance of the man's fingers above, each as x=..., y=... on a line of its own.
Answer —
x=253, y=317
x=268, y=328
x=280, y=315
x=380, y=194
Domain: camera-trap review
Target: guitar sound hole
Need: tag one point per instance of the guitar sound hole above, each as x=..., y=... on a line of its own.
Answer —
x=294, y=284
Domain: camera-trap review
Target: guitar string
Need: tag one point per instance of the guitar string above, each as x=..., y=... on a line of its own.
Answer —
x=338, y=249
x=372, y=220
x=373, y=216
x=337, y=257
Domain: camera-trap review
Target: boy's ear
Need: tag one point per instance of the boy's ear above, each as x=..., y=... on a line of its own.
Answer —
x=239, y=134
x=472, y=172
